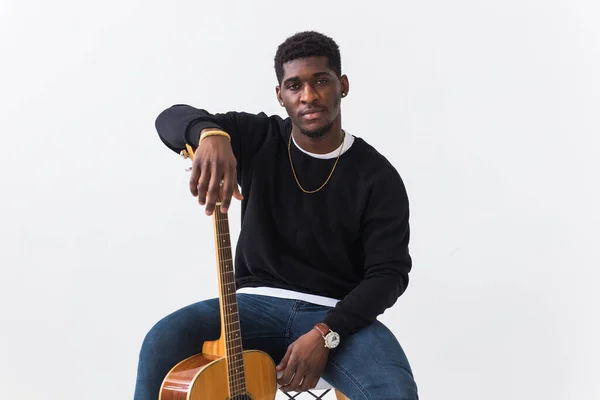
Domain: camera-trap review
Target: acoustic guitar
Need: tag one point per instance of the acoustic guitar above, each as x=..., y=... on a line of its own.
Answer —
x=223, y=370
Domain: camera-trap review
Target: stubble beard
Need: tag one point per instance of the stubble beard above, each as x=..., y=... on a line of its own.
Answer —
x=317, y=133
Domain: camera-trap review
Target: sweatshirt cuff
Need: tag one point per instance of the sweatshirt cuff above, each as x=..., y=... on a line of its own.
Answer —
x=192, y=135
x=339, y=324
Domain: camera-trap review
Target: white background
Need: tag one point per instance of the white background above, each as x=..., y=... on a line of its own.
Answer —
x=489, y=110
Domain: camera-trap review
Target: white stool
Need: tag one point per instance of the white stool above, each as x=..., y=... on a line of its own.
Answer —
x=322, y=386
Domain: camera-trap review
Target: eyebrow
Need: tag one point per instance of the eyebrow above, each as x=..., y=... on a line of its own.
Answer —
x=295, y=78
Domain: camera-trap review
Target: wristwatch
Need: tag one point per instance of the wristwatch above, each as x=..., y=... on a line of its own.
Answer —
x=332, y=339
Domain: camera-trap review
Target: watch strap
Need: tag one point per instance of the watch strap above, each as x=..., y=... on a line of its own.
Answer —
x=322, y=329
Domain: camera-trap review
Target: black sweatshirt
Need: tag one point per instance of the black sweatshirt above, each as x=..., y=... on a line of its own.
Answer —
x=348, y=241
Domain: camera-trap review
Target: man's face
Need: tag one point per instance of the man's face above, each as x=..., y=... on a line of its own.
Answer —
x=311, y=92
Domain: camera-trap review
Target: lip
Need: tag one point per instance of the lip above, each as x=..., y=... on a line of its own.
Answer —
x=312, y=114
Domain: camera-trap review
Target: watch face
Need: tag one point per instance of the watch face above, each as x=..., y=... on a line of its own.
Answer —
x=332, y=340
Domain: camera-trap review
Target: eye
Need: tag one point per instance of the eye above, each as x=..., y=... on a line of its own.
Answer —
x=292, y=86
x=323, y=81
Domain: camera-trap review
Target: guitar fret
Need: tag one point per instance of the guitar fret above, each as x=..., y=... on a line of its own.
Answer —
x=239, y=382
x=237, y=369
x=232, y=340
x=236, y=366
x=238, y=390
x=235, y=347
x=237, y=337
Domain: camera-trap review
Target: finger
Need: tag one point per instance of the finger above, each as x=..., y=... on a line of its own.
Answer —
x=288, y=372
x=203, y=182
x=237, y=194
x=236, y=190
x=314, y=382
x=213, y=189
x=287, y=376
x=229, y=181
x=283, y=363
x=195, y=177
x=294, y=385
x=306, y=384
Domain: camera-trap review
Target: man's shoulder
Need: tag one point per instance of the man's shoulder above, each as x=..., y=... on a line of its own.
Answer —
x=273, y=126
x=373, y=161
x=379, y=177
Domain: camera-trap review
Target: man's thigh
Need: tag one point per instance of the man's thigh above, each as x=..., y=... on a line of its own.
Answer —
x=264, y=323
x=263, y=320
x=371, y=364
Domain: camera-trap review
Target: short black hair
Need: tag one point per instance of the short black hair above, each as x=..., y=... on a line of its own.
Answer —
x=307, y=44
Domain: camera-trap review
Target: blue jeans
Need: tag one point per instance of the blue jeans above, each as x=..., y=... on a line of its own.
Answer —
x=369, y=364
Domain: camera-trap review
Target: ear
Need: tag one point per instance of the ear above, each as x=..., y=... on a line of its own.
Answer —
x=345, y=85
x=278, y=93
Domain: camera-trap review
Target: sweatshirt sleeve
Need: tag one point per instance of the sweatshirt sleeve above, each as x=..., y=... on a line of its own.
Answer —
x=385, y=239
x=181, y=124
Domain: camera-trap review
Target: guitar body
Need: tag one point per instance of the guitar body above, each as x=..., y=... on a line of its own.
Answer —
x=204, y=377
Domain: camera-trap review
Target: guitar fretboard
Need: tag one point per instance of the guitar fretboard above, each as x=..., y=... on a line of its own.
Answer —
x=231, y=322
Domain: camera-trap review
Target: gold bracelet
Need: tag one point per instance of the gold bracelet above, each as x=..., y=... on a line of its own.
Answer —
x=214, y=133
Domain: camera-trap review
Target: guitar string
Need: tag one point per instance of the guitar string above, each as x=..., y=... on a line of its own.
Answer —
x=224, y=285
x=236, y=382
x=237, y=378
x=222, y=278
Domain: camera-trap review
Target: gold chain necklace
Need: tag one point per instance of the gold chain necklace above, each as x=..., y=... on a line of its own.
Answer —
x=330, y=174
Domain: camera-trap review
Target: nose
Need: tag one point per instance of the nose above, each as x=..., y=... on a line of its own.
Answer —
x=309, y=95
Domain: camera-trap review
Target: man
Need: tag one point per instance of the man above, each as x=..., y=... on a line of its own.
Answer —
x=323, y=245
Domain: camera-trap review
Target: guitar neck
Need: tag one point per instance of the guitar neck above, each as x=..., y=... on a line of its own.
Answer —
x=230, y=322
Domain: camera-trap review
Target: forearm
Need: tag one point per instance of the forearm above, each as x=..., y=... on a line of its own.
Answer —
x=377, y=292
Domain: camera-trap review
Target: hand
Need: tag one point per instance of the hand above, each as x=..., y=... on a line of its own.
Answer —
x=303, y=363
x=214, y=162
